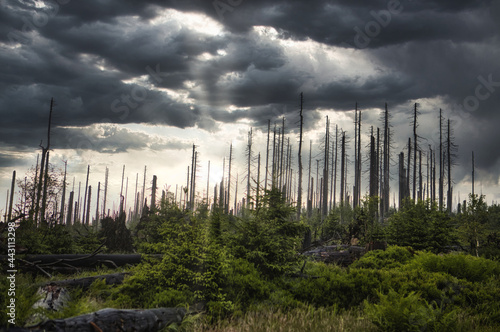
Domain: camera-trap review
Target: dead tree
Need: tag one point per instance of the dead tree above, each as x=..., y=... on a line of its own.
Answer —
x=326, y=166
x=11, y=203
x=441, y=163
x=473, y=173
x=86, y=191
x=299, y=194
x=335, y=167
x=387, y=161
x=63, y=199
x=373, y=166
x=309, y=195
x=249, y=164
x=153, y=194
x=267, y=153
x=229, y=179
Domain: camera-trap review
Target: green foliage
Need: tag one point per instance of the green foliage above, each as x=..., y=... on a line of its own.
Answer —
x=116, y=235
x=473, y=223
x=269, y=238
x=392, y=257
x=461, y=266
x=398, y=312
x=45, y=239
x=421, y=226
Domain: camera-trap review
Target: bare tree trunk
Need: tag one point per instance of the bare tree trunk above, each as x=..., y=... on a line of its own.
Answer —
x=449, y=168
x=86, y=190
x=11, y=203
x=249, y=161
x=105, y=192
x=309, y=195
x=63, y=199
x=299, y=194
x=324, y=211
x=409, y=167
x=355, y=188
x=258, y=183
x=88, y=207
x=441, y=166
x=45, y=187
x=335, y=167
x=267, y=153
x=97, y=203
x=70, y=209
x=229, y=179
x=415, y=147
x=373, y=166
x=153, y=194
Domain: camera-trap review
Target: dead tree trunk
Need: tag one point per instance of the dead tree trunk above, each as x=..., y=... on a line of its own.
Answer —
x=116, y=320
x=153, y=194
x=11, y=201
x=441, y=165
x=299, y=193
x=326, y=166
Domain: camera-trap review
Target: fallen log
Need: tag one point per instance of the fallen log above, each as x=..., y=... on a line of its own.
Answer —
x=115, y=320
x=84, y=283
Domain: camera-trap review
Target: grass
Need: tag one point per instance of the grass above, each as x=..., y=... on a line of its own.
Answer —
x=308, y=319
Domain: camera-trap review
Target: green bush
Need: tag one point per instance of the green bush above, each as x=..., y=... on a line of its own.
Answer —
x=390, y=258
x=397, y=312
x=461, y=266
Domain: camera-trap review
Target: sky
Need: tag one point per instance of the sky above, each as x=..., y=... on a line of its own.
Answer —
x=137, y=83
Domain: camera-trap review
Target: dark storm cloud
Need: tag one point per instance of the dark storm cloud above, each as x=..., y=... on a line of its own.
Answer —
x=420, y=49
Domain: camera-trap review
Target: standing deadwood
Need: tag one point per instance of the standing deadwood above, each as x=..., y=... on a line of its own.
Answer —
x=267, y=154
x=433, y=153
x=229, y=179
x=191, y=189
x=378, y=173
x=143, y=190
x=215, y=196
x=70, y=208
x=136, y=200
x=472, y=173
x=420, y=193
x=309, y=204
x=287, y=160
x=45, y=163
x=45, y=187
x=126, y=195
x=11, y=203
x=40, y=185
x=332, y=163
x=281, y=173
x=235, y=212
x=85, y=195
x=342, y=169
x=335, y=166
x=63, y=199
x=355, y=189
x=415, y=147
x=106, y=175
x=153, y=194
x=441, y=164
x=88, y=207
x=32, y=209
x=427, y=194
x=273, y=174
x=221, y=186
x=450, y=155
x=408, y=168
x=249, y=162
x=402, y=179
x=324, y=195
x=193, y=182
x=121, y=190
x=186, y=190
x=387, y=161
x=258, y=183
x=299, y=193
x=97, y=203
x=373, y=166
x=6, y=207
x=317, y=201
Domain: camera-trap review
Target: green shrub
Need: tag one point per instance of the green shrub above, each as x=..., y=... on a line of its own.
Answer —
x=461, y=266
x=392, y=257
x=397, y=312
